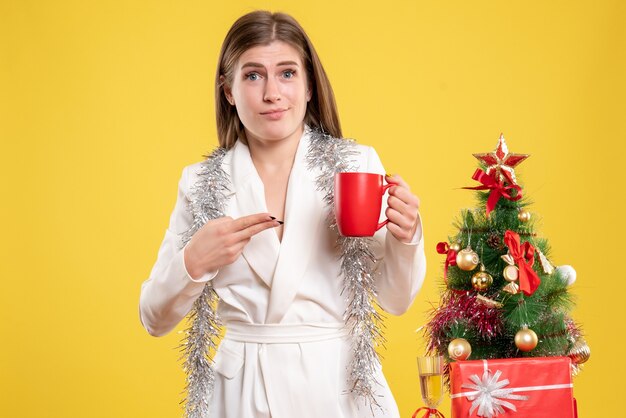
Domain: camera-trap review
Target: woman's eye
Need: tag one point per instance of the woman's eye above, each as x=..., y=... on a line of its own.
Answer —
x=288, y=73
x=253, y=76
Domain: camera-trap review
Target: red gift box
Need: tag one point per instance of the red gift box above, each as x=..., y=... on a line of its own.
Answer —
x=539, y=387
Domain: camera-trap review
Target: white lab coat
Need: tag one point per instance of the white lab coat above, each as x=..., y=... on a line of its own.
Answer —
x=291, y=287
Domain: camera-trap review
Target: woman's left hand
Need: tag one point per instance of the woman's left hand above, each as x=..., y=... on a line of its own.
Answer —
x=402, y=209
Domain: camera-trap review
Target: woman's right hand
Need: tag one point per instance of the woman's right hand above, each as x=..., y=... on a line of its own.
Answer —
x=220, y=242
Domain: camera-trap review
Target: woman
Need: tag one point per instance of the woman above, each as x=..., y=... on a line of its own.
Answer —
x=249, y=228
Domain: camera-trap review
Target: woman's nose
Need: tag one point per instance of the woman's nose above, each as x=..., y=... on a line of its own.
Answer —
x=272, y=91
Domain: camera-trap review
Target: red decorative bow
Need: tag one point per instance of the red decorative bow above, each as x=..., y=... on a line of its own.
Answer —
x=524, y=256
x=444, y=248
x=498, y=188
x=429, y=412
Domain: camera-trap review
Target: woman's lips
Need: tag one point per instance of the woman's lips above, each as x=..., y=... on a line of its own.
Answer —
x=274, y=114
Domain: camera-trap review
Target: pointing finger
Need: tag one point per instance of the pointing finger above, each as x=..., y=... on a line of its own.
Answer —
x=249, y=232
x=245, y=222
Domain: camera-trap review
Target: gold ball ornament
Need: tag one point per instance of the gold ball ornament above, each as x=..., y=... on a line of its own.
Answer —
x=481, y=280
x=526, y=339
x=511, y=273
x=459, y=349
x=523, y=216
x=467, y=259
x=456, y=247
x=580, y=351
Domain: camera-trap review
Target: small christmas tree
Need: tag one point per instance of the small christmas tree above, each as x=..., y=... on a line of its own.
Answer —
x=503, y=297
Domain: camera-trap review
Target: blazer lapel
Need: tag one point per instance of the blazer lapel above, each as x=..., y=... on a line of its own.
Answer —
x=261, y=252
x=303, y=215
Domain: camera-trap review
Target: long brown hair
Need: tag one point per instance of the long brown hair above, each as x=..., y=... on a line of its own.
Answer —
x=261, y=28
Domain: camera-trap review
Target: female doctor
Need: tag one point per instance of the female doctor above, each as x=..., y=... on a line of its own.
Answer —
x=272, y=260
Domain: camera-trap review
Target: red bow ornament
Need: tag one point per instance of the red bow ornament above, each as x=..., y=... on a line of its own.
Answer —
x=444, y=248
x=499, y=188
x=524, y=256
x=429, y=412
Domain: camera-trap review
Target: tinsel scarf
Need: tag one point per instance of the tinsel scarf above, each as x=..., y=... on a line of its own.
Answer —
x=358, y=270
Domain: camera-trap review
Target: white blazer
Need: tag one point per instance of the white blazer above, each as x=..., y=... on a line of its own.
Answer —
x=289, y=291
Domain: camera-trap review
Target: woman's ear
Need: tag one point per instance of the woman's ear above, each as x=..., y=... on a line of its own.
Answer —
x=308, y=93
x=227, y=91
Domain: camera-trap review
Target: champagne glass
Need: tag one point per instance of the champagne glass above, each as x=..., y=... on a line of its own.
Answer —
x=431, y=381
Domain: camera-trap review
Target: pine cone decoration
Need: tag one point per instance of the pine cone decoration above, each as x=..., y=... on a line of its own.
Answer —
x=494, y=241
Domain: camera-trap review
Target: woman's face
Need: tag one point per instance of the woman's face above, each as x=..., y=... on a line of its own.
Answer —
x=270, y=91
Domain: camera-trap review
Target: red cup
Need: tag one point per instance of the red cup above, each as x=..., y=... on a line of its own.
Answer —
x=358, y=199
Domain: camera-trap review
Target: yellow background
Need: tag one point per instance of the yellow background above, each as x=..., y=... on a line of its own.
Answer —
x=103, y=103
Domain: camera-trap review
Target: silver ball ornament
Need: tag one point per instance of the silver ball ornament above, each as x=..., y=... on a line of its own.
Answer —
x=567, y=273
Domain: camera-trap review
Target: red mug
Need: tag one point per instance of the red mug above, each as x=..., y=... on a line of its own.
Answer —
x=358, y=199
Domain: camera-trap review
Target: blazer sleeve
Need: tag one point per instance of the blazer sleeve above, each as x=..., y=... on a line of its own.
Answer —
x=402, y=266
x=168, y=294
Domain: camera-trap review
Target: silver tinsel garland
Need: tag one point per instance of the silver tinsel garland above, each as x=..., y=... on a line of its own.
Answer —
x=201, y=337
x=358, y=268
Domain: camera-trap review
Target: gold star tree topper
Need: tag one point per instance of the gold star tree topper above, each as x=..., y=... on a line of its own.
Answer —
x=501, y=160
